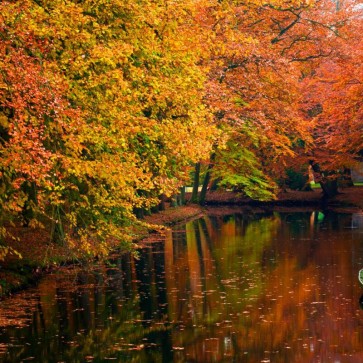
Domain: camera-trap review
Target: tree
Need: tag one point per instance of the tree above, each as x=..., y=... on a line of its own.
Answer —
x=333, y=100
x=91, y=96
x=253, y=89
x=259, y=56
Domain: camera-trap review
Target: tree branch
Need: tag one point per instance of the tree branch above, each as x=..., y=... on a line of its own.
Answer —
x=284, y=30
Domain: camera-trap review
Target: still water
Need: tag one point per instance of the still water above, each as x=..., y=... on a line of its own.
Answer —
x=243, y=287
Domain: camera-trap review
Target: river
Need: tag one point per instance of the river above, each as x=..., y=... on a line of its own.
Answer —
x=236, y=287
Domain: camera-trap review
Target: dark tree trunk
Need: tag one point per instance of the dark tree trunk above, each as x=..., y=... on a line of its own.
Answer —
x=27, y=212
x=214, y=185
x=182, y=196
x=307, y=187
x=329, y=187
x=174, y=201
x=328, y=181
x=194, y=198
x=203, y=192
x=162, y=202
x=346, y=180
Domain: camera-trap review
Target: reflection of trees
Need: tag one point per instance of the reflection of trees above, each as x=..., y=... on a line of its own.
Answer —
x=255, y=287
x=96, y=314
x=219, y=287
x=225, y=275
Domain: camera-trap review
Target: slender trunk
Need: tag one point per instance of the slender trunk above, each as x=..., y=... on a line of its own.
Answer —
x=214, y=185
x=29, y=188
x=307, y=187
x=162, y=202
x=203, y=192
x=194, y=198
x=182, y=196
x=174, y=201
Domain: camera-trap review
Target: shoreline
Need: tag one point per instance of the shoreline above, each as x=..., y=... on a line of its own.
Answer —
x=27, y=271
x=31, y=268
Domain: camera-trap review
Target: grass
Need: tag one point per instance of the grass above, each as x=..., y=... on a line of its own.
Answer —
x=317, y=185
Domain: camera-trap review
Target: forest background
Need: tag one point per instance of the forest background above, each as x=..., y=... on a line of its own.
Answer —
x=107, y=107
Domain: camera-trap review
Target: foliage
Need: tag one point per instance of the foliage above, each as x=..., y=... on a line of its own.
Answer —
x=91, y=94
x=332, y=90
x=262, y=58
x=105, y=105
x=237, y=167
x=297, y=179
x=253, y=89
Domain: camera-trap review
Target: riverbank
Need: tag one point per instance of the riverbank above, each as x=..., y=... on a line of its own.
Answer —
x=39, y=256
x=351, y=197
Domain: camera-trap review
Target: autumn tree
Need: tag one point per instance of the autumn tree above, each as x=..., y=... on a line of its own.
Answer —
x=259, y=55
x=253, y=91
x=91, y=95
x=333, y=91
x=105, y=105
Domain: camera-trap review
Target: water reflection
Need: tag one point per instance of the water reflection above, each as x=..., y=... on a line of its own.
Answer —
x=266, y=287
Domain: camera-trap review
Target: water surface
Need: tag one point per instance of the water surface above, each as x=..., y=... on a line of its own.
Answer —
x=244, y=287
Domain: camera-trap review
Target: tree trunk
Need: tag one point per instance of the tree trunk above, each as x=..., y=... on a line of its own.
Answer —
x=203, y=192
x=346, y=180
x=307, y=187
x=182, y=196
x=214, y=185
x=329, y=187
x=27, y=212
x=162, y=202
x=328, y=181
x=194, y=198
x=174, y=201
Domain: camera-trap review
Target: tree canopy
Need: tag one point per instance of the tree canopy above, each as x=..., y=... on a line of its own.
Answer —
x=106, y=105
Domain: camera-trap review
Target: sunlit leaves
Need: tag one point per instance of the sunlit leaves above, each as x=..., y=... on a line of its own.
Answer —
x=253, y=89
x=92, y=95
x=333, y=94
x=106, y=104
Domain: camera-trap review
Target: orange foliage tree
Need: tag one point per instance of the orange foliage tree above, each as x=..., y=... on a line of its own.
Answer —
x=105, y=105
x=91, y=96
x=253, y=89
x=260, y=53
x=333, y=100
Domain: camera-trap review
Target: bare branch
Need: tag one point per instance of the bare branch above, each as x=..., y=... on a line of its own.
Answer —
x=284, y=30
x=310, y=57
